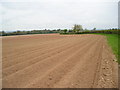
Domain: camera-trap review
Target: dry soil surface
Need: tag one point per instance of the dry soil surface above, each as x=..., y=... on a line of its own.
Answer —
x=58, y=61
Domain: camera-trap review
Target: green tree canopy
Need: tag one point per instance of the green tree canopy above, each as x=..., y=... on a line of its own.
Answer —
x=77, y=28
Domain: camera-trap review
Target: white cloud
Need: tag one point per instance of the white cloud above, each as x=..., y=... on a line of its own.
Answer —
x=39, y=14
x=59, y=0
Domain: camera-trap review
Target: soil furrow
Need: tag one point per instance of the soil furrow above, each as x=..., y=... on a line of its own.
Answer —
x=58, y=61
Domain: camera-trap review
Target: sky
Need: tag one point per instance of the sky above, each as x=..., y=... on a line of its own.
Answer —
x=55, y=14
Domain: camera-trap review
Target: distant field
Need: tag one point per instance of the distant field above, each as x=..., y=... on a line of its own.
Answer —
x=58, y=61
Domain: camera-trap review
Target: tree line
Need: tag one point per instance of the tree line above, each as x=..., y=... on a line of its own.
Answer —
x=3, y=33
x=76, y=29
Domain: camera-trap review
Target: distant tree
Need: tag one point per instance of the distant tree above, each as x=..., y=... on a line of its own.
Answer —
x=113, y=28
x=70, y=30
x=58, y=29
x=77, y=28
x=65, y=30
x=2, y=33
x=94, y=29
x=18, y=32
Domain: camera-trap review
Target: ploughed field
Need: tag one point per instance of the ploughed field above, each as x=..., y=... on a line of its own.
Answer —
x=58, y=61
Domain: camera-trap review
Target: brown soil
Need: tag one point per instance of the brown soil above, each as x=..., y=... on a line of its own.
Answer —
x=58, y=61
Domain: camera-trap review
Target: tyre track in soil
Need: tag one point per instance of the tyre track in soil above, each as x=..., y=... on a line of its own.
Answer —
x=35, y=53
x=77, y=62
x=107, y=71
x=58, y=72
x=83, y=70
x=16, y=67
x=40, y=53
x=34, y=68
x=29, y=52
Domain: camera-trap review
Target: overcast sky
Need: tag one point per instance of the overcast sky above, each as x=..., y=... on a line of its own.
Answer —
x=54, y=14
